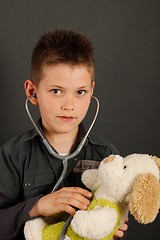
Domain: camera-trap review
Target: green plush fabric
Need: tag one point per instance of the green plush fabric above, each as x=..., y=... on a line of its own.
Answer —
x=52, y=232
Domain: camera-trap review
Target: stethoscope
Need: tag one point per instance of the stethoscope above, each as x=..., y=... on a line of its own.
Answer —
x=64, y=159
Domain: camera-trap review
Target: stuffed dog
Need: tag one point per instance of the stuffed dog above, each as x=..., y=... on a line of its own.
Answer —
x=119, y=185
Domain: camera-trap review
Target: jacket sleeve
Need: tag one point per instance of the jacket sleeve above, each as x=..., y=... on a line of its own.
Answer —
x=13, y=217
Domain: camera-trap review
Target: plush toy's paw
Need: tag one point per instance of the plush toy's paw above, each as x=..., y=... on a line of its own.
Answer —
x=95, y=224
x=33, y=229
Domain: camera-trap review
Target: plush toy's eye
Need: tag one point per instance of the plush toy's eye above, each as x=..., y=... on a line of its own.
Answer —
x=124, y=166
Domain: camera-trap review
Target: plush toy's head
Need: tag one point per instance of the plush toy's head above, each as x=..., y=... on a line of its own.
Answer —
x=132, y=181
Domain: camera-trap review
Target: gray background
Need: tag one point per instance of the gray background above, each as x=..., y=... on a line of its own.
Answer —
x=126, y=37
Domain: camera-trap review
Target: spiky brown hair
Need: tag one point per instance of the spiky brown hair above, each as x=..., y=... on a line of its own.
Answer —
x=61, y=46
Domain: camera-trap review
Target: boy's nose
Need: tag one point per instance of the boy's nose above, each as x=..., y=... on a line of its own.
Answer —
x=68, y=104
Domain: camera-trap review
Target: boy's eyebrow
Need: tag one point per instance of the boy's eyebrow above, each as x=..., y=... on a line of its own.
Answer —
x=87, y=86
x=58, y=86
x=55, y=85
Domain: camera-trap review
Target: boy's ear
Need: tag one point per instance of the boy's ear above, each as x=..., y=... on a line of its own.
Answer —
x=93, y=85
x=30, y=90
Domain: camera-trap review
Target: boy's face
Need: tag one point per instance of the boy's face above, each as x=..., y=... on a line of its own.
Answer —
x=63, y=97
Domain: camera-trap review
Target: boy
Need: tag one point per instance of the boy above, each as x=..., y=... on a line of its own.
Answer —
x=61, y=85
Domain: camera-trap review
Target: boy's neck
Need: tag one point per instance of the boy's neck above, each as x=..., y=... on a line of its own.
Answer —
x=62, y=143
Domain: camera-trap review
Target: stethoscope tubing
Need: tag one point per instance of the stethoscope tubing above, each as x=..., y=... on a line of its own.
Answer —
x=64, y=159
x=48, y=146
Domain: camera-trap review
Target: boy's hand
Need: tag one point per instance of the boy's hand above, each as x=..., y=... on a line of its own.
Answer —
x=120, y=232
x=64, y=200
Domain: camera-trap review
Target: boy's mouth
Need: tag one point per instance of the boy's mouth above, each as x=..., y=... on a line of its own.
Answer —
x=66, y=118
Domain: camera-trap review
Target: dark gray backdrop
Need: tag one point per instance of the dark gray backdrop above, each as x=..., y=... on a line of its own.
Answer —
x=126, y=36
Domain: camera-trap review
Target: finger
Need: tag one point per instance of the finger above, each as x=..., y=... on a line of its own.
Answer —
x=74, y=202
x=126, y=220
x=79, y=190
x=123, y=227
x=68, y=209
x=74, y=195
x=119, y=233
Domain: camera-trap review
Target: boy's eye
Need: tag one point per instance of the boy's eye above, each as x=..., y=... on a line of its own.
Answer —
x=56, y=91
x=81, y=92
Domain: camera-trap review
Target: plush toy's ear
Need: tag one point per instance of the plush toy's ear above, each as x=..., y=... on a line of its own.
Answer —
x=108, y=159
x=144, y=202
x=90, y=178
x=157, y=161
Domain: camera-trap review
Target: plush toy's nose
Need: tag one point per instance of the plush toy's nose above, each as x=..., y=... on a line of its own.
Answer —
x=108, y=159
